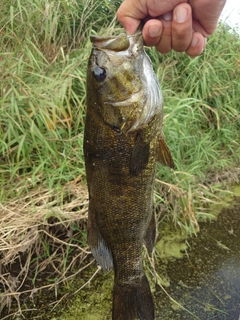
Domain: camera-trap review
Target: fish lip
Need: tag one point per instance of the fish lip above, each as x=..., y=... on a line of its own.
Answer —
x=113, y=43
x=119, y=43
x=96, y=38
x=133, y=98
x=122, y=103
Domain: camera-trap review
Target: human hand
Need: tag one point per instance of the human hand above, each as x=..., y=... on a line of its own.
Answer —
x=180, y=25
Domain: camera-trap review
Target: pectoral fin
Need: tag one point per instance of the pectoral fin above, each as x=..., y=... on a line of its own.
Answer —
x=140, y=155
x=164, y=154
x=97, y=244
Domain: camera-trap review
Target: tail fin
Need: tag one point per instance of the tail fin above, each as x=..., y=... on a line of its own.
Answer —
x=133, y=301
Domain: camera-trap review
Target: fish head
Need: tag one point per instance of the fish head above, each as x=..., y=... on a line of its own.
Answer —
x=122, y=86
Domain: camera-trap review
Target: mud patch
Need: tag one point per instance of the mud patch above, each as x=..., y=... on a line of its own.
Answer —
x=199, y=277
x=205, y=284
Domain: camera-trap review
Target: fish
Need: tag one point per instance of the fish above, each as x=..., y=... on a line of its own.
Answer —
x=123, y=142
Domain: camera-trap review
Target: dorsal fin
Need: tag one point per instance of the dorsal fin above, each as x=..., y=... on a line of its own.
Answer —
x=163, y=154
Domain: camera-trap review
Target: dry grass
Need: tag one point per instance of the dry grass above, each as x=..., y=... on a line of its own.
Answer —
x=43, y=212
x=37, y=231
x=45, y=228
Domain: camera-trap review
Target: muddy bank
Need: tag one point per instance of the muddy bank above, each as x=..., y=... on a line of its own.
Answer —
x=205, y=284
x=200, y=278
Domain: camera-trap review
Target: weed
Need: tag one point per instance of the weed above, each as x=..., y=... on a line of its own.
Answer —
x=44, y=50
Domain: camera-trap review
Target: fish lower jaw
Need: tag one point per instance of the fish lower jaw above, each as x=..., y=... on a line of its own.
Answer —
x=134, y=98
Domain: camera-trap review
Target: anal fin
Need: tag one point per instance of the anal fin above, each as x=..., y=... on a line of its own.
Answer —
x=150, y=236
x=98, y=245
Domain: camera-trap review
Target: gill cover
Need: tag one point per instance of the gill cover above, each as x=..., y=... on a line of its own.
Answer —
x=128, y=91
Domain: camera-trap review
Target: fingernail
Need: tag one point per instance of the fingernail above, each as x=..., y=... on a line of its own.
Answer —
x=181, y=14
x=167, y=16
x=194, y=41
x=154, y=31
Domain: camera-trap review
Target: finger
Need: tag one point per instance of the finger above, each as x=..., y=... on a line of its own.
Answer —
x=197, y=45
x=165, y=43
x=181, y=27
x=130, y=14
x=152, y=32
x=199, y=28
x=129, y=24
x=207, y=13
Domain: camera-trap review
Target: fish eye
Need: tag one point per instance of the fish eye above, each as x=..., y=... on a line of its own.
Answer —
x=99, y=73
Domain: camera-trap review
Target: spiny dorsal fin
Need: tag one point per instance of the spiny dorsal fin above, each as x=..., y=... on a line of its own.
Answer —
x=163, y=154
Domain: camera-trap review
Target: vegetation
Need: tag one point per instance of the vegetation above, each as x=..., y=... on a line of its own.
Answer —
x=44, y=48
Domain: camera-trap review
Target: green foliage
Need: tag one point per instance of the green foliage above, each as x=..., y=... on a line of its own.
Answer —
x=44, y=51
x=202, y=111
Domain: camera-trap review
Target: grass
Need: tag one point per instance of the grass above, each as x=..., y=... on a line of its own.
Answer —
x=202, y=117
x=44, y=49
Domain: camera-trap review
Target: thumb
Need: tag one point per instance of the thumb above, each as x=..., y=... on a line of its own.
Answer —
x=130, y=14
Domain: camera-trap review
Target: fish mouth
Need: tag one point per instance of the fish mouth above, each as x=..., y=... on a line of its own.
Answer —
x=125, y=102
x=121, y=42
x=122, y=104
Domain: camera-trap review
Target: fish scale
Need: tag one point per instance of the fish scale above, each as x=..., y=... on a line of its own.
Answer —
x=123, y=142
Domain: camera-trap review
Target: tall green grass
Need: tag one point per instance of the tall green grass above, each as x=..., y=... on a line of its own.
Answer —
x=44, y=51
x=202, y=114
x=42, y=92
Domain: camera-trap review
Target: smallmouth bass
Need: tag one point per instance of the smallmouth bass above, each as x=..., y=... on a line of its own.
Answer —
x=123, y=142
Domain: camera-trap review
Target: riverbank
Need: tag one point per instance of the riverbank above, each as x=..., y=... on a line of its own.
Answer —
x=44, y=52
x=196, y=277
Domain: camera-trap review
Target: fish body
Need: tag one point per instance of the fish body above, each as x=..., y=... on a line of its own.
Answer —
x=123, y=142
